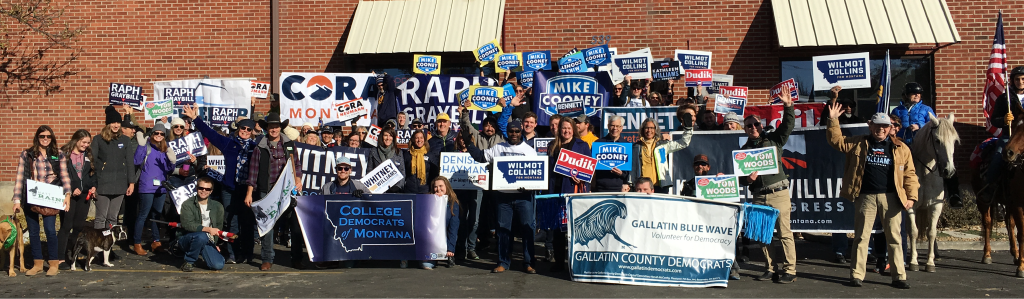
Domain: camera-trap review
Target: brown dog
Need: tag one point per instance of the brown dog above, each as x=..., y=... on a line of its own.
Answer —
x=6, y=229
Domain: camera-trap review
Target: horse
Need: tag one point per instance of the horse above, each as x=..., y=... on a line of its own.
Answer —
x=933, y=159
x=1005, y=193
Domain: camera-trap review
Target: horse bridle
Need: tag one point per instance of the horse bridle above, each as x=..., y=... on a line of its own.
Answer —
x=935, y=150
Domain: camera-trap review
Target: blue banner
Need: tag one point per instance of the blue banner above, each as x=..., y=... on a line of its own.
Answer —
x=572, y=63
x=597, y=56
x=427, y=96
x=535, y=61
x=317, y=164
x=613, y=155
x=375, y=226
x=550, y=88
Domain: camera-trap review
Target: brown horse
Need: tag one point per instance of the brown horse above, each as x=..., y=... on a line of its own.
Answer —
x=1010, y=194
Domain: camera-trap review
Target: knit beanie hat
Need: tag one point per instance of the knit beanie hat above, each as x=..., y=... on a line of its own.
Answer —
x=112, y=116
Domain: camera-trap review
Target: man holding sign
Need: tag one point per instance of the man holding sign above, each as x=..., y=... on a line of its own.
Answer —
x=771, y=189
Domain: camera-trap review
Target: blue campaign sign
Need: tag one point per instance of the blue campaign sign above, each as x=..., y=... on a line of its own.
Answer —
x=508, y=92
x=693, y=60
x=526, y=78
x=535, y=61
x=613, y=155
x=597, y=56
x=551, y=88
x=572, y=63
x=509, y=61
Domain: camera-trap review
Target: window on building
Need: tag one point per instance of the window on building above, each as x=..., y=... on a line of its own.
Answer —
x=904, y=70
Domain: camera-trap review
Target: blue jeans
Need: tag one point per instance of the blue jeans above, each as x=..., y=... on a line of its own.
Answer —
x=50, y=223
x=151, y=206
x=517, y=207
x=995, y=167
x=230, y=217
x=198, y=243
x=470, y=200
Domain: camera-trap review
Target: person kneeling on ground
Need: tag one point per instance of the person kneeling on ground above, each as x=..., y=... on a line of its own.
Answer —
x=202, y=220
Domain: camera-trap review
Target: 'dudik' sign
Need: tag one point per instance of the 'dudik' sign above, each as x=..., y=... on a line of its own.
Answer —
x=575, y=165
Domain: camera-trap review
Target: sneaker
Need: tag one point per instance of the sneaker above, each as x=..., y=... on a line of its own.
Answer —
x=187, y=267
x=734, y=276
x=230, y=260
x=472, y=255
x=766, y=276
x=840, y=259
x=787, y=278
x=856, y=283
x=900, y=284
x=403, y=264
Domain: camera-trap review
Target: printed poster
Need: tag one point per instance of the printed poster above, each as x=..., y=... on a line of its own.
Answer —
x=191, y=143
x=789, y=85
x=514, y=172
x=220, y=101
x=509, y=62
x=485, y=98
x=731, y=99
x=535, y=61
x=763, y=160
x=572, y=63
x=426, y=64
x=721, y=188
x=665, y=70
x=575, y=165
x=693, y=60
x=310, y=97
x=124, y=94
x=382, y=178
x=464, y=172
x=613, y=155
x=698, y=77
x=45, y=195
x=597, y=56
x=158, y=109
x=636, y=64
x=260, y=89
x=849, y=70
x=487, y=52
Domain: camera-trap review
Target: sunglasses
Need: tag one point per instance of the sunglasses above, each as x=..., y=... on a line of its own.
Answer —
x=515, y=131
x=753, y=125
x=178, y=127
x=204, y=189
x=618, y=88
x=158, y=133
x=45, y=136
x=700, y=164
x=343, y=168
x=247, y=129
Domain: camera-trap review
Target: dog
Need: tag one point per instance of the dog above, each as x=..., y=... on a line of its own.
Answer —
x=96, y=240
x=9, y=226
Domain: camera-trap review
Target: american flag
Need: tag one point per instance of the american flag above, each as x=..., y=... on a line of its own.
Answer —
x=995, y=77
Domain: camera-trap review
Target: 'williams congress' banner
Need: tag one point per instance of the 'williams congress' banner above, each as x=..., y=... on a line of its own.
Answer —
x=848, y=70
x=220, y=101
x=651, y=240
x=551, y=88
x=317, y=164
x=375, y=226
x=815, y=173
x=308, y=97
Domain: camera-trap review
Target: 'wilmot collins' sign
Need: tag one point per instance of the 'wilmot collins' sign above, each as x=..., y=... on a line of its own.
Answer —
x=848, y=70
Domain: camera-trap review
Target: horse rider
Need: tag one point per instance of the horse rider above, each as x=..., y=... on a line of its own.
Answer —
x=913, y=116
x=1002, y=117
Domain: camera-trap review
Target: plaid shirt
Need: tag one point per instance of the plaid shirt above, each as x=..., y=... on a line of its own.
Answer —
x=277, y=163
x=41, y=172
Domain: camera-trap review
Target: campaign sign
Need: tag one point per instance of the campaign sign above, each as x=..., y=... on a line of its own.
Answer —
x=698, y=77
x=508, y=62
x=382, y=178
x=574, y=50
x=352, y=109
x=763, y=160
x=570, y=109
x=597, y=56
x=724, y=188
x=784, y=86
x=427, y=96
x=634, y=118
x=508, y=92
x=487, y=52
x=182, y=193
x=541, y=145
x=309, y=97
x=372, y=135
x=718, y=80
x=807, y=114
x=525, y=78
x=260, y=89
x=180, y=96
x=535, y=61
x=464, y=172
x=426, y=64
x=848, y=70
x=513, y=172
x=158, y=109
x=665, y=70
x=403, y=136
x=572, y=63
x=731, y=99
x=656, y=240
x=124, y=94
x=575, y=165
x=637, y=65
x=215, y=162
x=693, y=60
x=317, y=164
x=191, y=143
x=613, y=155
x=551, y=88
x=224, y=116
x=485, y=98
x=231, y=98
x=44, y=195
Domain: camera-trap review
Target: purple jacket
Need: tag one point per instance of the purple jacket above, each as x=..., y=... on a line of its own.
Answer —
x=156, y=168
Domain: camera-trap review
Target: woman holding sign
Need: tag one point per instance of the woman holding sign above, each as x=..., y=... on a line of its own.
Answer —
x=443, y=188
x=151, y=157
x=41, y=163
x=188, y=169
x=568, y=140
x=387, y=149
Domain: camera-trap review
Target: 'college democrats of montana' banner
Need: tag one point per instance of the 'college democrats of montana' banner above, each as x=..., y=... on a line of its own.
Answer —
x=550, y=88
x=310, y=97
x=815, y=172
x=220, y=101
x=426, y=96
x=375, y=226
x=317, y=165
x=651, y=240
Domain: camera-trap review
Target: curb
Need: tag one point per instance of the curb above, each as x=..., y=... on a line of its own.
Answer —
x=953, y=245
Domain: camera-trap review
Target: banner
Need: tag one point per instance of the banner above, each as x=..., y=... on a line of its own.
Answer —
x=572, y=63
x=485, y=98
x=374, y=226
x=698, y=77
x=815, y=173
x=636, y=64
x=731, y=99
x=260, y=89
x=383, y=177
x=634, y=118
x=575, y=165
x=124, y=94
x=535, y=61
x=44, y=195
x=425, y=97
x=693, y=60
x=665, y=70
x=317, y=164
x=513, y=172
x=308, y=97
x=762, y=160
x=191, y=143
x=220, y=101
x=541, y=145
x=788, y=85
x=508, y=62
x=807, y=114
x=613, y=155
x=594, y=89
x=657, y=240
x=182, y=193
x=570, y=108
x=597, y=56
x=723, y=188
x=464, y=172
x=354, y=109
x=487, y=52
x=372, y=134
x=269, y=208
x=718, y=80
x=849, y=70
x=426, y=64
x=158, y=109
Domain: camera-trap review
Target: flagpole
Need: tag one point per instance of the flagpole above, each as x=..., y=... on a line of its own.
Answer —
x=1006, y=77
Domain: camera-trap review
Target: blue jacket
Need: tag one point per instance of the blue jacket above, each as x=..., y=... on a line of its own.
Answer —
x=228, y=147
x=155, y=168
x=915, y=115
x=452, y=226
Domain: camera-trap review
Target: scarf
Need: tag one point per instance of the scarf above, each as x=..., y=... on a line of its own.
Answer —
x=419, y=167
x=386, y=153
x=243, y=156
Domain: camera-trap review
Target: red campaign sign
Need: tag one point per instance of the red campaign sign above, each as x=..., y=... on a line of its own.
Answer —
x=783, y=86
x=807, y=114
x=573, y=164
x=696, y=78
x=733, y=91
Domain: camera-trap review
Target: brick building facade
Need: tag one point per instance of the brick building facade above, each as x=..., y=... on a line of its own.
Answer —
x=140, y=42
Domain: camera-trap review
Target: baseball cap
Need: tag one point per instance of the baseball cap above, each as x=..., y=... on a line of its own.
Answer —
x=444, y=116
x=582, y=118
x=700, y=158
x=417, y=121
x=343, y=160
x=880, y=119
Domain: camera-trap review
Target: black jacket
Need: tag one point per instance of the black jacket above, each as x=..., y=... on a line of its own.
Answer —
x=82, y=181
x=115, y=164
x=605, y=180
x=999, y=111
x=387, y=100
x=413, y=183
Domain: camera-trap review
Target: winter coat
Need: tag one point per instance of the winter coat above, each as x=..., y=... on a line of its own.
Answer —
x=153, y=169
x=664, y=179
x=856, y=150
x=229, y=148
x=915, y=115
x=115, y=164
x=778, y=139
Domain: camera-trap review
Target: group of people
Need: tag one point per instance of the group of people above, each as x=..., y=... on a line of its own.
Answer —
x=127, y=161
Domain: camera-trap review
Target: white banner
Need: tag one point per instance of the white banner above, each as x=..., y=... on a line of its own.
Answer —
x=270, y=208
x=220, y=101
x=382, y=177
x=464, y=172
x=514, y=172
x=44, y=195
x=308, y=97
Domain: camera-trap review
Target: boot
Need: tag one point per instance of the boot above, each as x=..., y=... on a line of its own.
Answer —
x=138, y=249
x=37, y=266
x=155, y=247
x=53, y=268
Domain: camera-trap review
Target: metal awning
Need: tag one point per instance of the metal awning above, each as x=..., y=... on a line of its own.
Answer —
x=809, y=23
x=407, y=26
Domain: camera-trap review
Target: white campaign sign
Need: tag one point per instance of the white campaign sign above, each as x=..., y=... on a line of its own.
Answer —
x=45, y=195
x=514, y=172
x=464, y=172
x=308, y=97
x=270, y=208
x=184, y=192
x=382, y=177
x=643, y=61
x=848, y=70
x=220, y=101
x=372, y=134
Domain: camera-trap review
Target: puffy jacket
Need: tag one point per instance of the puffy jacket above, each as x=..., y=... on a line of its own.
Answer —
x=856, y=150
x=917, y=114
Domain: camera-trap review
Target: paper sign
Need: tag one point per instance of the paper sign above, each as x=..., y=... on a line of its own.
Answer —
x=597, y=56
x=573, y=63
x=403, y=136
x=525, y=78
x=158, y=109
x=124, y=94
x=380, y=179
x=352, y=109
x=788, y=85
x=216, y=162
x=570, y=108
x=722, y=188
x=574, y=50
x=731, y=99
x=260, y=90
x=533, y=61
x=487, y=52
x=508, y=62
x=44, y=195
x=636, y=64
x=613, y=155
x=184, y=192
x=575, y=165
x=191, y=143
x=541, y=145
x=697, y=78
x=426, y=64
x=464, y=172
x=693, y=60
x=485, y=98
x=665, y=70
x=508, y=92
x=849, y=70
x=763, y=160
x=372, y=134
x=513, y=172
x=718, y=80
